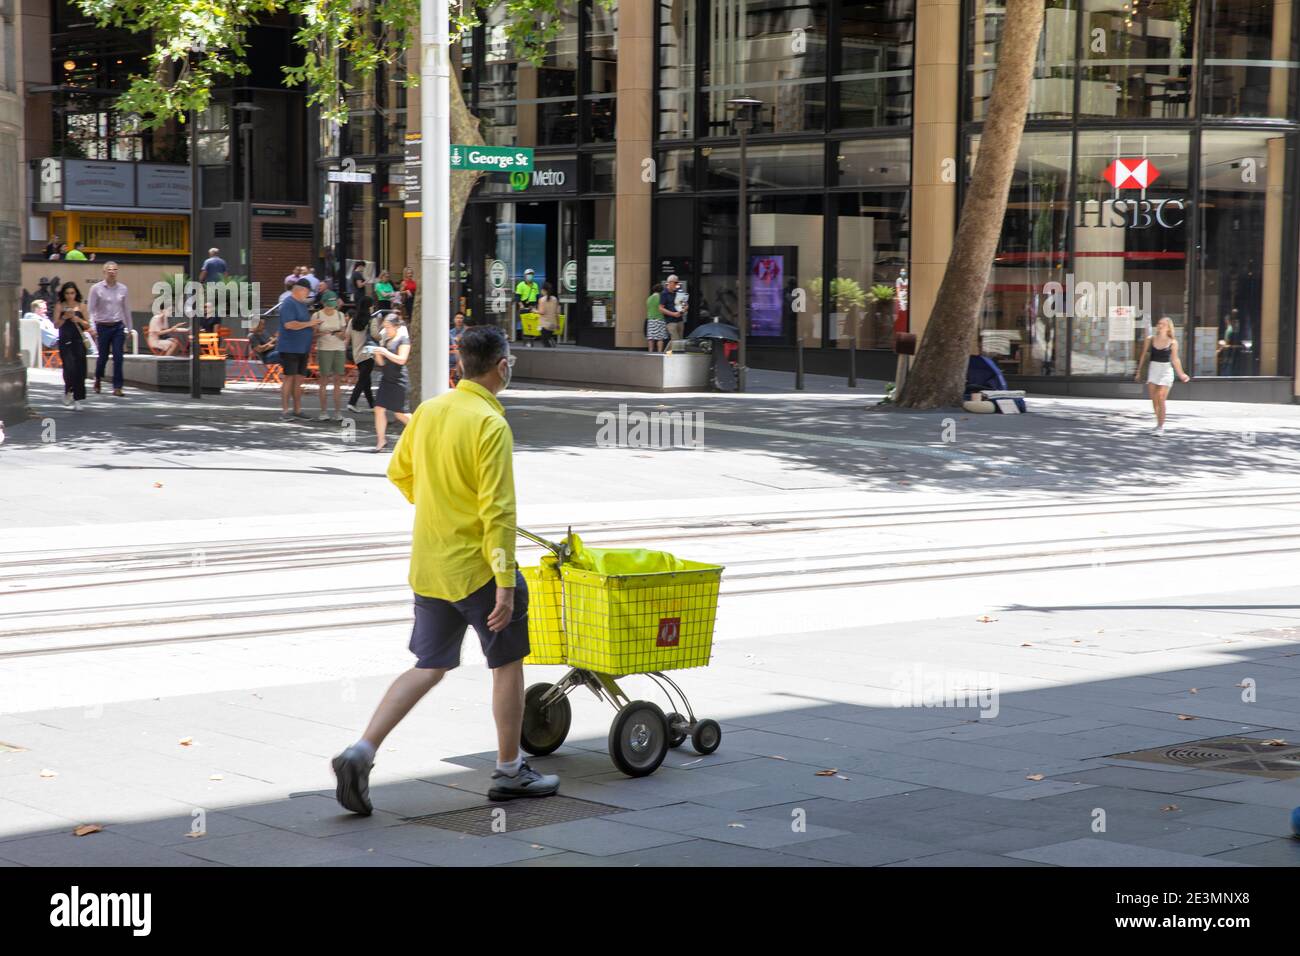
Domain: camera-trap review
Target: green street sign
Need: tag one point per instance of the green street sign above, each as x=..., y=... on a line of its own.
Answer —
x=497, y=159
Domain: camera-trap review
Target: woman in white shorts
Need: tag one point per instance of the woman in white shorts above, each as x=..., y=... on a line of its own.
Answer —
x=1160, y=355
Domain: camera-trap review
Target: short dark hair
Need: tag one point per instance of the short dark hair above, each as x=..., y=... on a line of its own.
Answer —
x=481, y=347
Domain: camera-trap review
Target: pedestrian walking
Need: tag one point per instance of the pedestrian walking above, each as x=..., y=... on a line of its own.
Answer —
x=548, y=315
x=69, y=300
x=72, y=328
x=1160, y=356
x=390, y=361
x=363, y=332
x=331, y=353
x=454, y=464
x=296, y=329
x=107, y=305
x=214, y=267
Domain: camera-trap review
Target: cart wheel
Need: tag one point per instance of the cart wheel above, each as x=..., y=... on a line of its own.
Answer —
x=677, y=732
x=544, y=728
x=638, y=739
x=706, y=736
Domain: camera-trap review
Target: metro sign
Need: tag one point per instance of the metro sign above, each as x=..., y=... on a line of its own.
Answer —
x=1131, y=173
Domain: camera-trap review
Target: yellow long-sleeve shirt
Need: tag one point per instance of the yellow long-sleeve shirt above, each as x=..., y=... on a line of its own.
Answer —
x=454, y=463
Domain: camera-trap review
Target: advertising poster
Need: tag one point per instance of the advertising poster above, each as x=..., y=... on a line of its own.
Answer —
x=766, y=294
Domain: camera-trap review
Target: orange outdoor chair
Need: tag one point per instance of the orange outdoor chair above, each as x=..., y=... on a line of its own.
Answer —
x=239, y=366
x=210, y=342
x=50, y=358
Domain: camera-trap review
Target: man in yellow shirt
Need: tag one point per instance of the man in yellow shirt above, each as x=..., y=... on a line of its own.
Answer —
x=453, y=462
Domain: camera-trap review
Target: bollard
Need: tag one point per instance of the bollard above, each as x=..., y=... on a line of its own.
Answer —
x=798, y=364
x=853, y=353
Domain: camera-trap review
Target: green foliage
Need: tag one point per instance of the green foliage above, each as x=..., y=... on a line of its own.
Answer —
x=846, y=293
x=200, y=44
x=882, y=293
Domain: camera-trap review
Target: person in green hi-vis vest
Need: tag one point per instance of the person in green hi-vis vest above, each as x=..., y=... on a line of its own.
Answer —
x=527, y=292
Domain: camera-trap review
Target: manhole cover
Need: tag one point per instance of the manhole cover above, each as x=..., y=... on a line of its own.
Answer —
x=518, y=815
x=1250, y=755
x=11, y=748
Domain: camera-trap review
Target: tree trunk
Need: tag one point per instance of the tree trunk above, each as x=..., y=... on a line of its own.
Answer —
x=939, y=376
x=464, y=130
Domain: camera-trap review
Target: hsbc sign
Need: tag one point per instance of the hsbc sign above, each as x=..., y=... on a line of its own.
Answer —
x=1132, y=173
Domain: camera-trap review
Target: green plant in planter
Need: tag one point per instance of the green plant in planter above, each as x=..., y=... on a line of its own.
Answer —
x=846, y=293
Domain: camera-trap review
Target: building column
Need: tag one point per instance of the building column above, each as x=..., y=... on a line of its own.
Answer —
x=632, y=194
x=936, y=157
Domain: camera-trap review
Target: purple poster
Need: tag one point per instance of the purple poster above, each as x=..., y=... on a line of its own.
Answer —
x=766, y=294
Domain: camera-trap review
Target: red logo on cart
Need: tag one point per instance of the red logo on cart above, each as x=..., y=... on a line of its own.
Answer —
x=670, y=631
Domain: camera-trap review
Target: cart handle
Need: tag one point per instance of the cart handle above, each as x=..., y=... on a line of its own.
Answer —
x=561, y=551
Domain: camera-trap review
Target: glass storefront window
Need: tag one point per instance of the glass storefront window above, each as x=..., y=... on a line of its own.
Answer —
x=874, y=162
x=1236, y=328
x=601, y=56
x=794, y=166
x=873, y=80
x=785, y=255
x=525, y=105
x=676, y=170
x=1250, y=58
x=1130, y=246
x=602, y=173
x=1137, y=59
x=1052, y=96
x=775, y=52
x=677, y=21
x=1019, y=327
x=871, y=249
x=714, y=299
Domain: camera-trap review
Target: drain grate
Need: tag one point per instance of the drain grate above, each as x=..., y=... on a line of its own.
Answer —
x=1249, y=755
x=519, y=815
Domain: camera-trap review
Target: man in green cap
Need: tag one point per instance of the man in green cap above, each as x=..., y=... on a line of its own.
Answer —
x=527, y=292
x=331, y=351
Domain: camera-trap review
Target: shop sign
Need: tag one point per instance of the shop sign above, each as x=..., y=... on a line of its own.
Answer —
x=162, y=186
x=1131, y=173
x=570, y=276
x=92, y=183
x=497, y=272
x=411, y=183
x=600, y=266
x=556, y=176
x=348, y=173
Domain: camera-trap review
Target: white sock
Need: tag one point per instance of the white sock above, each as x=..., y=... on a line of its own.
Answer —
x=512, y=768
x=363, y=747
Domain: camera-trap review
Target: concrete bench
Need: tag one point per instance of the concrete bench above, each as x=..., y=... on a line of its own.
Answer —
x=608, y=368
x=169, y=373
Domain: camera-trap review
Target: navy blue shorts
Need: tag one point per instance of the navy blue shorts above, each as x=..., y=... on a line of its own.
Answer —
x=440, y=628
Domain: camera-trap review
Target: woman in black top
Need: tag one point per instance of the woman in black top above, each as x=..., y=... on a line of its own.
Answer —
x=70, y=319
x=1160, y=355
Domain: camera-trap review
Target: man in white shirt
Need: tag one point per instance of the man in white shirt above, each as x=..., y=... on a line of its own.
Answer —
x=111, y=316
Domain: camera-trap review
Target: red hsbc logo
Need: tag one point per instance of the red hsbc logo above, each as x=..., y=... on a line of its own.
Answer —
x=1131, y=173
x=670, y=632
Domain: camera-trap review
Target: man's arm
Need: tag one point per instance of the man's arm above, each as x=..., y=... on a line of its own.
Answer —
x=401, y=471
x=496, y=501
x=92, y=303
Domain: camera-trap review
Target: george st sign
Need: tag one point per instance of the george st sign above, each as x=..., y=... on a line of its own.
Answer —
x=496, y=159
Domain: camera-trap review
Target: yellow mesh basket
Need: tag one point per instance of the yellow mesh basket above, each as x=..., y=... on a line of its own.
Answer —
x=545, y=614
x=621, y=624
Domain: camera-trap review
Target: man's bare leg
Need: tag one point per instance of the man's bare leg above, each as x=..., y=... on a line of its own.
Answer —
x=402, y=695
x=508, y=709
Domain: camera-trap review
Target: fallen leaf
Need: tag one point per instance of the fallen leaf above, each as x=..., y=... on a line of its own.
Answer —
x=840, y=776
x=1185, y=717
x=216, y=776
x=738, y=826
x=194, y=836
x=1275, y=742
x=1169, y=808
x=775, y=757
x=186, y=741
x=86, y=829
x=1034, y=776
x=49, y=773
x=985, y=619
x=1244, y=684
x=157, y=484
x=827, y=773
x=1026, y=645
x=1193, y=691
x=1076, y=642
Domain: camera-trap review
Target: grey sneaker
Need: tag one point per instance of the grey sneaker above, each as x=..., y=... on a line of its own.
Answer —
x=526, y=783
x=353, y=774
